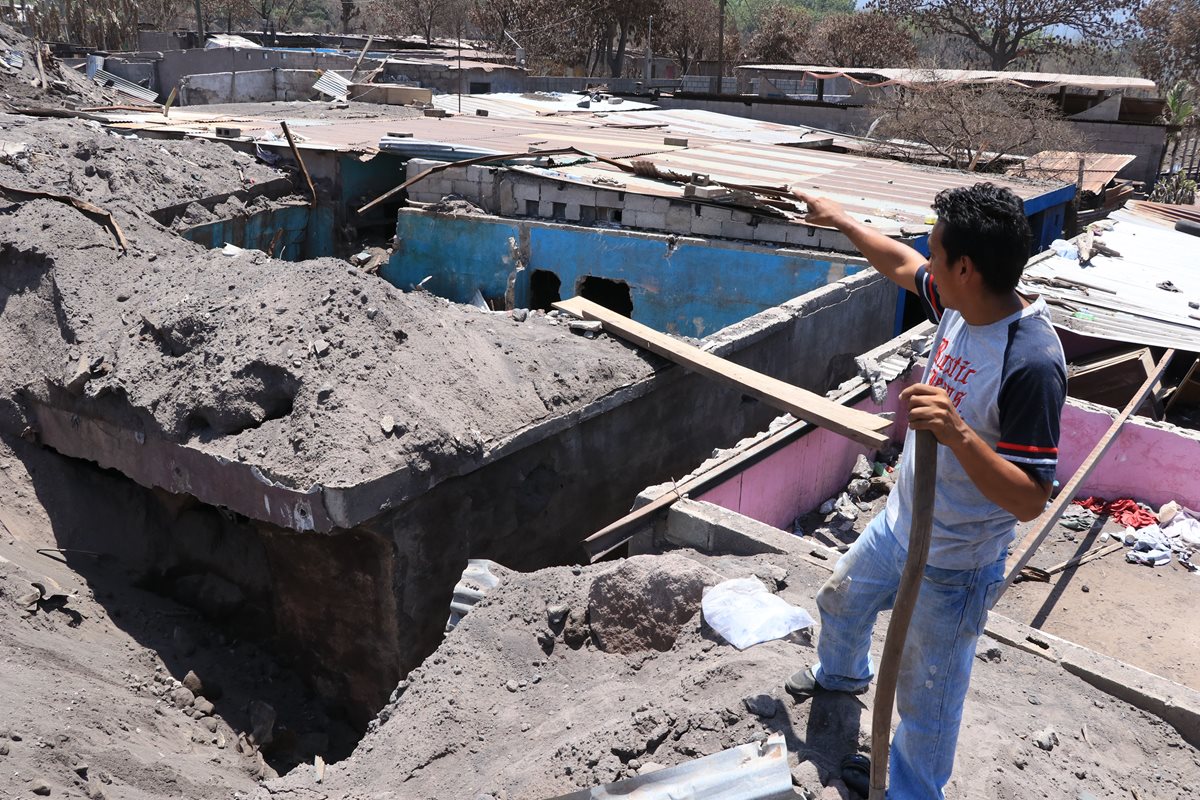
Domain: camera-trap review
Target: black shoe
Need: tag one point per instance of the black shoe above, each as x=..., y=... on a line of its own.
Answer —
x=804, y=685
x=856, y=774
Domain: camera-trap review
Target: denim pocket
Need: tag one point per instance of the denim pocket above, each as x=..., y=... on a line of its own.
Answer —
x=951, y=578
x=989, y=597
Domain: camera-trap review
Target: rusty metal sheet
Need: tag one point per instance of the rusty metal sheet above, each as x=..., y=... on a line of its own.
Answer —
x=1063, y=165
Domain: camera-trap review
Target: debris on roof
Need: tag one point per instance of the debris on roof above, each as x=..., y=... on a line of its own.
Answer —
x=1092, y=171
x=884, y=76
x=1119, y=284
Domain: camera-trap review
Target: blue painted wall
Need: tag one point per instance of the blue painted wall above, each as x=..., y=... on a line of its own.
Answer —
x=306, y=232
x=687, y=287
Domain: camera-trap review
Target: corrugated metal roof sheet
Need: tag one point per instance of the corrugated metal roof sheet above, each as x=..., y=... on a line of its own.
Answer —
x=533, y=104
x=712, y=125
x=1063, y=165
x=1117, y=297
x=891, y=194
x=885, y=76
x=332, y=84
x=1164, y=213
x=125, y=87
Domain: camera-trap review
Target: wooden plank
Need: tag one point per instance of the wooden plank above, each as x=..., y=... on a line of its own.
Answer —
x=920, y=534
x=1045, y=523
x=849, y=422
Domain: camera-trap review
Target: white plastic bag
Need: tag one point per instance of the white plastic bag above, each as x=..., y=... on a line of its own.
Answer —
x=746, y=614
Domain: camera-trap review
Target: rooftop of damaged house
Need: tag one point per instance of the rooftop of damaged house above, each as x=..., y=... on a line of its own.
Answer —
x=401, y=416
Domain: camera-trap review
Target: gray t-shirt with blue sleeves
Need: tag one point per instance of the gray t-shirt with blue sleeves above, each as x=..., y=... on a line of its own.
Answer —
x=1008, y=381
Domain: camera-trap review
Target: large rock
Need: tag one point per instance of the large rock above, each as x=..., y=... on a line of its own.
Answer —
x=643, y=602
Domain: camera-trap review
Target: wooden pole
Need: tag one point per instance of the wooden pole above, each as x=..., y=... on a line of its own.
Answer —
x=296, y=154
x=920, y=532
x=1045, y=523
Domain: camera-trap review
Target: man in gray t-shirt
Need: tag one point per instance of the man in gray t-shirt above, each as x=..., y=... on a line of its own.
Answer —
x=992, y=394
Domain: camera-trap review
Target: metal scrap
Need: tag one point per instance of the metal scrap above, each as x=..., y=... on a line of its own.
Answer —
x=89, y=209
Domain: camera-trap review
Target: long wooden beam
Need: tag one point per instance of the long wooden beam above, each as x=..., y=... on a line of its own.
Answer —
x=858, y=425
x=1045, y=523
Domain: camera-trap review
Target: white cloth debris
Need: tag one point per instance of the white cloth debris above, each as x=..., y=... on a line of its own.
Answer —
x=744, y=613
x=1152, y=547
x=1181, y=525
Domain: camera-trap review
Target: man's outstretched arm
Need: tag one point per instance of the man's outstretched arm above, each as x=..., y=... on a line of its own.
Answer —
x=897, y=261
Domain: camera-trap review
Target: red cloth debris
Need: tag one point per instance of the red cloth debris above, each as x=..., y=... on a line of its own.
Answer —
x=1125, y=511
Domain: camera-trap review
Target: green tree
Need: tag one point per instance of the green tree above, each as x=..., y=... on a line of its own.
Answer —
x=1006, y=31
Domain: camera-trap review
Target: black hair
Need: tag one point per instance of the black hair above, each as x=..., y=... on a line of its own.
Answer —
x=988, y=224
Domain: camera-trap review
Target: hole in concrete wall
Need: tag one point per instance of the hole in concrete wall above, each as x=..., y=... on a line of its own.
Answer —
x=615, y=215
x=480, y=87
x=613, y=295
x=544, y=289
x=587, y=215
x=558, y=210
x=532, y=207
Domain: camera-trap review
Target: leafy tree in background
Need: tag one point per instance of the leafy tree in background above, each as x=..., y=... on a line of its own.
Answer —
x=862, y=39
x=781, y=35
x=1007, y=30
x=1169, y=48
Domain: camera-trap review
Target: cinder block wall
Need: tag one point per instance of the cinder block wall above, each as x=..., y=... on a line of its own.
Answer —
x=1141, y=140
x=512, y=194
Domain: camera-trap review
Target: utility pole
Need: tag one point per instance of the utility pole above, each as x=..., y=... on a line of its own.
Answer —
x=200, y=23
x=649, y=69
x=721, y=49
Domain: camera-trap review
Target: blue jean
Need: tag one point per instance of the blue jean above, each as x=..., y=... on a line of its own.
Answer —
x=939, y=651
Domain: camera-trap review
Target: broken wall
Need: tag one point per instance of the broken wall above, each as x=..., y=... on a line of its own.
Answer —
x=680, y=285
x=248, y=86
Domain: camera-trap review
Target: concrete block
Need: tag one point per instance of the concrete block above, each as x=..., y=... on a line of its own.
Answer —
x=701, y=226
x=607, y=198
x=716, y=213
x=525, y=190
x=579, y=195
x=771, y=232
x=639, y=202
x=737, y=230
x=546, y=209
x=741, y=216
x=801, y=235
x=509, y=205
x=416, y=166
x=573, y=212
x=679, y=217
x=479, y=173
x=645, y=219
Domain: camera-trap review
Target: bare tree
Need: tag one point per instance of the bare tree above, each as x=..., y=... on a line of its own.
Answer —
x=862, y=39
x=689, y=31
x=1169, y=48
x=781, y=35
x=971, y=126
x=1007, y=30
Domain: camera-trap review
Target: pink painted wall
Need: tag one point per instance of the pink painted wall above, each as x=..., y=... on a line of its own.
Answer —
x=1148, y=463
x=801, y=476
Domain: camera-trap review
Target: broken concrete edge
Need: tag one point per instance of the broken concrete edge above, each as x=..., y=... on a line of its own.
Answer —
x=271, y=190
x=711, y=529
x=1173, y=703
x=185, y=469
